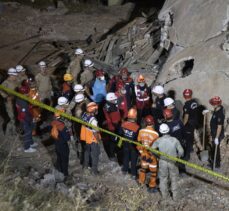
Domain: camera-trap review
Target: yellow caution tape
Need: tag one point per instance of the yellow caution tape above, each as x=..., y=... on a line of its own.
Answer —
x=121, y=139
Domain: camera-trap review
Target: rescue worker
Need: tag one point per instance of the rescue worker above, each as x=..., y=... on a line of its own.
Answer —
x=74, y=67
x=91, y=137
x=67, y=86
x=11, y=83
x=217, y=128
x=129, y=130
x=122, y=102
x=147, y=136
x=189, y=120
x=168, y=171
x=176, y=130
x=143, y=101
x=170, y=104
x=44, y=84
x=25, y=118
x=113, y=120
x=21, y=73
x=61, y=143
x=158, y=104
x=88, y=74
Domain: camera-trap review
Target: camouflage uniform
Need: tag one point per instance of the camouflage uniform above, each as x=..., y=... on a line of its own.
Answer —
x=86, y=76
x=75, y=67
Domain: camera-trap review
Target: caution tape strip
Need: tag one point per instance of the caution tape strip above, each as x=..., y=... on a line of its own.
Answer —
x=121, y=139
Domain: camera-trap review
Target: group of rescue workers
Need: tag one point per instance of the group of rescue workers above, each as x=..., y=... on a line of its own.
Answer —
x=121, y=105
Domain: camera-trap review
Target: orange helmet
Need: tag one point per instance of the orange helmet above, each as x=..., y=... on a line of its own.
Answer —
x=92, y=107
x=167, y=113
x=141, y=79
x=149, y=120
x=132, y=113
x=215, y=101
x=187, y=93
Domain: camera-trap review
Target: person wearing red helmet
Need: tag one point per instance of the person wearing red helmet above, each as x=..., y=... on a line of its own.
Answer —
x=147, y=136
x=190, y=120
x=217, y=127
x=143, y=101
x=25, y=118
x=129, y=129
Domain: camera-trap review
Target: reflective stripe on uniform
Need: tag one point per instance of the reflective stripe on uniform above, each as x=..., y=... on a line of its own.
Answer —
x=152, y=166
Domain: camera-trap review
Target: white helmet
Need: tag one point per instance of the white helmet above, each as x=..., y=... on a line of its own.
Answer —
x=164, y=128
x=42, y=64
x=111, y=96
x=158, y=90
x=79, y=98
x=62, y=101
x=20, y=68
x=88, y=63
x=78, y=88
x=78, y=51
x=168, y=101
x=12, y=71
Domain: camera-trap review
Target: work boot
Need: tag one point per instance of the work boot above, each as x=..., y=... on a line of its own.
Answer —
x=30, y=150
x=34, y=145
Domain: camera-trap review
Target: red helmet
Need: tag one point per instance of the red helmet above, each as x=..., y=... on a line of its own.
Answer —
x=132, y=113
x=215, y=101
x=168, y=113
x=119, y=85
x=99, y=73
x=149, y=120
x=24, y=90
x=187, y=93
x=141, y=79
x=123, y=71
x=92, y=107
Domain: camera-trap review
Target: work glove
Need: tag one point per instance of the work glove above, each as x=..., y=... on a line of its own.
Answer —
x=205, y=111
x=216, y=141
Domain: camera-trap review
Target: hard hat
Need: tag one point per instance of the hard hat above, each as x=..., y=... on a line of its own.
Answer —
x=149, y=120
x=167, y=113
x=92, y=107
x=23, y=89
x=123, y=71
x=79, y=51
x=158, y=90
x=78, y=88
x=119, y=85
x=164, y=128
x=12, y=71
x=141, y=79
x=168, y=101
x=68, y=77
x=111, y=96
x=132, y=113
x=99, y=73
x=62, y=101
x=79, y=98
x=215, y=101
x=88, y=63
x=187, y=93
x=42, y=64
x=20, y=68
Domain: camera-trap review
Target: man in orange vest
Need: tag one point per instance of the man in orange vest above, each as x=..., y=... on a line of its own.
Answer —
x=129, y=130
x=147, y=137
x=91, y=137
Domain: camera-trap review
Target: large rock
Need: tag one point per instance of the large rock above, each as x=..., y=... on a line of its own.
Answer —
x=197, y=20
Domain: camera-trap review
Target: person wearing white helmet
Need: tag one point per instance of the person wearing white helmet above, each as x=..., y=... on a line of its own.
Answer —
x=78, y=88
x=158, y=104
x=10, y=83
x=21, y=73
x=44, y=85
x=74, y=67
x=170, y=104
x=88, y=73
x=167, y=169
x=113, y=121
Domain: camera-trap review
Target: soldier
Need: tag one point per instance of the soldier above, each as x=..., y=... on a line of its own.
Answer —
x=44, y=84
x=87, y=74
x=168, y=169
x=11, y=83
x=21, y=73
x=75, y=66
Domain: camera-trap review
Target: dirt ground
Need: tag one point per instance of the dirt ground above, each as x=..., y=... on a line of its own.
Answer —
x=110, y=190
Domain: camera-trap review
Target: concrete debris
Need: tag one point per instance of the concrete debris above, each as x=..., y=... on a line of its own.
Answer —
x=62, y=188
